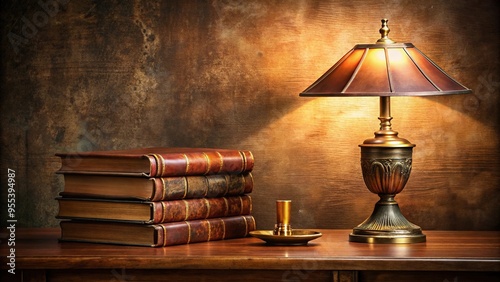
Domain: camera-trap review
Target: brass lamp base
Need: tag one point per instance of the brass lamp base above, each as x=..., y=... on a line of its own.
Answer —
x=386, y=162
x=387, y=225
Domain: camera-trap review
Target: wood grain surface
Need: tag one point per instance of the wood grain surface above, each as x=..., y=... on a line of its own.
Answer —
x=447, y=255
x=444, y=250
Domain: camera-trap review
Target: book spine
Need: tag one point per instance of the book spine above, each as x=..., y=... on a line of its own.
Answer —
x=183, y=210
x=208, y=186
x=196, y=231
x=200, y=163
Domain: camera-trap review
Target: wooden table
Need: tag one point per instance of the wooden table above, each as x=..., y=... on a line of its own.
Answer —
x=446, y=256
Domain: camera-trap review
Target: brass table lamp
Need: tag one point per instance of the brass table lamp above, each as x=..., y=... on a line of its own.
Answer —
x=385, y=69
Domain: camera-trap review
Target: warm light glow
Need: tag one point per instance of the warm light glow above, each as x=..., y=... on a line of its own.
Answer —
x=379, y=55
x=372, y=74
x=396, y=56
x=337, y=126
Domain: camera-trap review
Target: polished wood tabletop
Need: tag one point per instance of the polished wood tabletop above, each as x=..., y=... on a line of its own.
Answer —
x=451, y=250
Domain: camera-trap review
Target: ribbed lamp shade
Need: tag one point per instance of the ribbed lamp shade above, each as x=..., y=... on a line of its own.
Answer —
x=385, y=69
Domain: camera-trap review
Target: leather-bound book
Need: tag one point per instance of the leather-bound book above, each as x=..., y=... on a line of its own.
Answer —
x=158, y=188
x=158, y=235
x=158, y=162
x=153, y=212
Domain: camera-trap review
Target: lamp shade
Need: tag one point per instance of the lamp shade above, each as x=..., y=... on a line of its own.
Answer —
x=385, y=69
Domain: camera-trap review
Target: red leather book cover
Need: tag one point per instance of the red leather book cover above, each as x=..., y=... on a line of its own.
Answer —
x=158, y=162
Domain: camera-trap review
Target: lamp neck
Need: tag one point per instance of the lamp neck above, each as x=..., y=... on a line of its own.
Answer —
x=385, y=113
x=386, y=137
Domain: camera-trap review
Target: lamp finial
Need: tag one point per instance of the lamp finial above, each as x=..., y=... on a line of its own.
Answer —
x=384, y=32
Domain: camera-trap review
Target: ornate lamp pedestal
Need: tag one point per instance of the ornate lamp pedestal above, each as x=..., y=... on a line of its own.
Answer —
x=386, y=165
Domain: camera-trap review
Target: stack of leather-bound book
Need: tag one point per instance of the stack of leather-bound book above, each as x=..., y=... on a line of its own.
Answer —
x=156, y=196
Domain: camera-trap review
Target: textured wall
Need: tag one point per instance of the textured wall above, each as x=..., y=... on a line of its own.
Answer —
x=98, y=75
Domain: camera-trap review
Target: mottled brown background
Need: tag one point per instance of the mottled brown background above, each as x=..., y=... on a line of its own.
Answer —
x=99, y=75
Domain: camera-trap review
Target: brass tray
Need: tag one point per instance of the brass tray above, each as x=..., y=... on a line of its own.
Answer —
x=298, y=237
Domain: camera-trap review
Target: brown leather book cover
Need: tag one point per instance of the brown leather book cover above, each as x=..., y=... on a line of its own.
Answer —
x=153, y=212
x=158, y=162
x=204, y=230
x=156, y=189
x=158, y=235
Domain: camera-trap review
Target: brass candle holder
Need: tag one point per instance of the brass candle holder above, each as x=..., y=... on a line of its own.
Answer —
x=283, y=233
x=283, y=226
